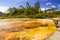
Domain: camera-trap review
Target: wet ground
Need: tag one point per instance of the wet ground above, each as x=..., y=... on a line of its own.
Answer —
x=55, y=35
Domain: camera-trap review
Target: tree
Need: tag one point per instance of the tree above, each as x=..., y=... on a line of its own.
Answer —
x=21, y=9
x=37, y=6
x=13, y=11
x=28, y=9
x=28, y=5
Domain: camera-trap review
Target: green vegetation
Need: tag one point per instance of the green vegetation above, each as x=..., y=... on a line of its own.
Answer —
x=30, y=12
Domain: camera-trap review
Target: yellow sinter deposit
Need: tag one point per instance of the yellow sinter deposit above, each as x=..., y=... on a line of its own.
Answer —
x=32, y=30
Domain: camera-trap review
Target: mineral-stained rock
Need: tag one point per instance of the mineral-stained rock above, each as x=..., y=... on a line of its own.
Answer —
x=32, y=29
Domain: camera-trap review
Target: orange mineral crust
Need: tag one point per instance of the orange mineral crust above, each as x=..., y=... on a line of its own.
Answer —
x=37, y=29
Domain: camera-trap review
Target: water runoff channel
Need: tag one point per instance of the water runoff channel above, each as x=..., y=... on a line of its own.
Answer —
x=56, y=34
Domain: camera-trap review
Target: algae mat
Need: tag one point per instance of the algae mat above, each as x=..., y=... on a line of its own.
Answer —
x=38, y=29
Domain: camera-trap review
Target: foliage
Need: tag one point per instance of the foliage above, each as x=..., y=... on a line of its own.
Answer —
x=30, y=12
